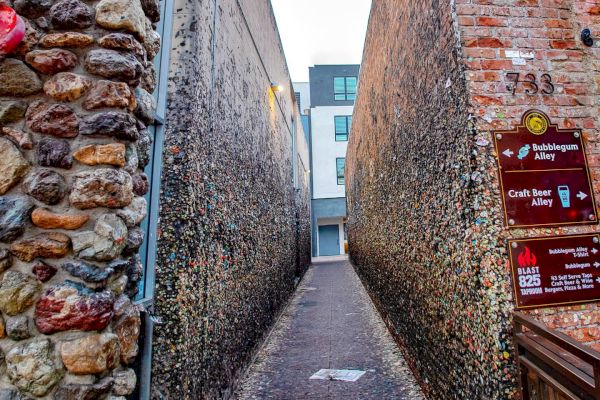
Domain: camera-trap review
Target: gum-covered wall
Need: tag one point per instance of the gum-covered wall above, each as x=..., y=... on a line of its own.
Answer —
x=234, y=232
x=425, y=224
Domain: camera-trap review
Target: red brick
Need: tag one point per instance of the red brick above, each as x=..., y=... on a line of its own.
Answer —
x=496, y=64
x=526, y=3
x=467, y=9
x=469, y=42
x=563, y=44
x=576, y=89
x=474, y=64
x=466, y=21
x=513, y=32
x=557, y=23
x=478, y=31
x=556, y=4
x=480, y=53
x=589, y=123
x=487, y=100
x=490, y=21
x=490, y=42
x=484, y=76
x=531, y=43
x=538, y=12
x=527, y=23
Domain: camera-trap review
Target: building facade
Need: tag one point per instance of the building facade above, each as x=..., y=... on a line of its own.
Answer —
x=154, y=204
x=330, y=94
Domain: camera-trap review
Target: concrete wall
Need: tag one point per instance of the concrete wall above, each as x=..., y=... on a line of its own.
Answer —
x=425, y=220
x=75, y=105
x=304, y=89
x=234, y=234
x=325, y=150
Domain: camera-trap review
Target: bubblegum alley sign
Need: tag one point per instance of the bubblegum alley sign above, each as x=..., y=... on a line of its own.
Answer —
x=555, y=271
x=544, y=175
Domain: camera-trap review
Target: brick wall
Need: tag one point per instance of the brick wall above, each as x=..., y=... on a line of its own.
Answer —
x=234, y=234
x=547, y=34
x=433, y=84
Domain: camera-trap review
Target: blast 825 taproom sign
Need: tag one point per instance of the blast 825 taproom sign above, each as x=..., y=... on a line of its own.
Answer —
x=555, y=271
x=544, y=175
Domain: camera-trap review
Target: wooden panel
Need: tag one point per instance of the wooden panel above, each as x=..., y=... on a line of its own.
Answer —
x=552, y=365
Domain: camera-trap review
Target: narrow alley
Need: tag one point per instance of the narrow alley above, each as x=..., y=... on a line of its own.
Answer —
x=205, y=199
x=330, y=323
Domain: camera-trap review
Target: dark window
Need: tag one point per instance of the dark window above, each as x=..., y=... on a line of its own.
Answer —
x=344, y=88
x=343, y=124
x=340, y=164
x=297, y=94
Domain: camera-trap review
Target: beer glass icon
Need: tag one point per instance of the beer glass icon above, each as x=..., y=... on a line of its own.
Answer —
x=564, y=194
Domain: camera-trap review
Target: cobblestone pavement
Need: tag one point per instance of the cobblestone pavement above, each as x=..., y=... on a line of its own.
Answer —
x=330, y=323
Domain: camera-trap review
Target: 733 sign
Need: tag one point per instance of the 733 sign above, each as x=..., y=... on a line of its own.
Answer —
x=533, y=85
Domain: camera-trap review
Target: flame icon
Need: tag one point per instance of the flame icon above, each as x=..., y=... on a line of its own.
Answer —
x=527, y=258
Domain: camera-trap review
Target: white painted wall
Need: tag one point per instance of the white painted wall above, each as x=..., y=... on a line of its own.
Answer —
x=303, y=161
x=332, y=221
x=325, y=150
x=304, y=89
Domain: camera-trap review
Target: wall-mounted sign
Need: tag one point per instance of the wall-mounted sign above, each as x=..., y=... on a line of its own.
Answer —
x=555, y=270
x=544, y=175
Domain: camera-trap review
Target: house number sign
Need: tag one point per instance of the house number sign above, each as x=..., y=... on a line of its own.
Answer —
x=544, y=174
x=533, y=85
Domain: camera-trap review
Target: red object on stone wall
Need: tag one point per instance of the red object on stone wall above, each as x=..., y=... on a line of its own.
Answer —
x=12, y=30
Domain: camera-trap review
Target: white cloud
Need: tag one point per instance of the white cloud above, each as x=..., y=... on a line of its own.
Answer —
x=321, y=32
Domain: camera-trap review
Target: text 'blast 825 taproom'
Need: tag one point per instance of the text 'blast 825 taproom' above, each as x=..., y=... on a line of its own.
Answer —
x=556, y=270
x=544, y=174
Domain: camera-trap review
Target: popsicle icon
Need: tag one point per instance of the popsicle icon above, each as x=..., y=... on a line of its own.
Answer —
x=523, y=151
x=565, y=197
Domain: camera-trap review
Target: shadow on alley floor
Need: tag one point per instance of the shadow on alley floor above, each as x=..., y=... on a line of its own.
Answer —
x=330, y=323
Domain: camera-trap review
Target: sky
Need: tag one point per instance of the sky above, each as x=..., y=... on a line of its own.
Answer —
x=321, y=32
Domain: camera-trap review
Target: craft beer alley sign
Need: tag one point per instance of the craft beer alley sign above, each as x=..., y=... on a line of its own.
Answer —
x=544, y=175
x=555, y=270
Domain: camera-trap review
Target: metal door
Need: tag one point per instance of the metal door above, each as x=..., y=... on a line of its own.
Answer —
x=329, y=240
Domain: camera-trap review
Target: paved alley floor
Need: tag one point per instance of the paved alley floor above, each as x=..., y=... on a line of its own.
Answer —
x=332, y=324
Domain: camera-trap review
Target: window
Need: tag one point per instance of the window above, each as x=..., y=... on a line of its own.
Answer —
x=343, y=124
x=297, y=94
x=344, y=88
x=340, y=164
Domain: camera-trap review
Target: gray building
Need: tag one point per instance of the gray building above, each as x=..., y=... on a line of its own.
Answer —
x=327, y=101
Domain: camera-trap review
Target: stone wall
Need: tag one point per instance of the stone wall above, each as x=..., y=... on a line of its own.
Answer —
x=74, y=105
x=425, y=219
x=234, y=234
